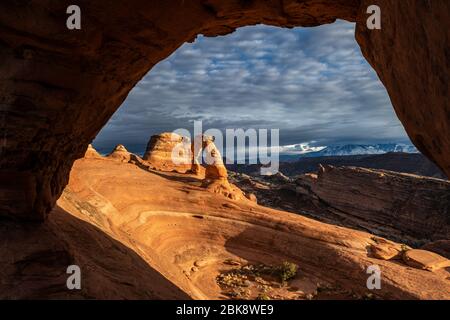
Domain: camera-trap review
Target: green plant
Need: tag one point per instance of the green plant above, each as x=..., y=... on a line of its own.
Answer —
x=263, y=296
x=287, y=271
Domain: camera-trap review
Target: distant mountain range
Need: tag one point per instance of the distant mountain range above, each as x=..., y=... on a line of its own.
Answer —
x=414, y=163
x=361, y=149
x=289, y=153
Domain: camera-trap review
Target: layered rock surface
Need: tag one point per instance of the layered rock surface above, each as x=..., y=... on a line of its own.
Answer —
x=415, y=206
x=120, y=153
x=402, y=207
x=216, y=174
x=146, y=235
x=411, y=57
x=426, y=260
x=63, y=86
x=215, y=168
x=169, y=152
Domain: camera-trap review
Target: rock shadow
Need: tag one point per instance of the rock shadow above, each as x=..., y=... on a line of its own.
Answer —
x=315, y=258
x=35, y=257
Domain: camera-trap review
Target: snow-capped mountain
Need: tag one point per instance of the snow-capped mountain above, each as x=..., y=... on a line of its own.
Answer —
x=361, y=149
x=299, y=148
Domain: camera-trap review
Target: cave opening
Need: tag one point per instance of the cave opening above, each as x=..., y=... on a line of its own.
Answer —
x=249, y=80
x=312, y=84
x=67, y=89
x=60, y=87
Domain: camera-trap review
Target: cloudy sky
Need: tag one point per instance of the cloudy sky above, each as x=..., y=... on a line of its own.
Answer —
x=311, y=83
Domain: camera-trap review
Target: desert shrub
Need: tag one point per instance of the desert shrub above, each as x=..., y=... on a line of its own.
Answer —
x=287, y=271
x=263, y=296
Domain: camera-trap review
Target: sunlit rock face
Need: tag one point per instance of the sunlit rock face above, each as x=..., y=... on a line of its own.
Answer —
x=204, y=148
x=120, y=153
x=169, y=152
x=91, y=152
x=216, y=174
x=59, y=87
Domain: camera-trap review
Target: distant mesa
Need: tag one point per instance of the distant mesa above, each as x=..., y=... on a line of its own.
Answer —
x=91, y=152
x=169, y=152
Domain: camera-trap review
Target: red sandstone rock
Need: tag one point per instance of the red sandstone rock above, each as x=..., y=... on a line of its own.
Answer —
x=120, y=153
x=223, y=187
x=171, y=224
x=215, y=168
x=252, y=197
x=216, y=175
x=410, y=55
x=426, y=260
x=403, y=206
x=91, y=152
x=169, y=152
x=135, y=233
x=63, y=86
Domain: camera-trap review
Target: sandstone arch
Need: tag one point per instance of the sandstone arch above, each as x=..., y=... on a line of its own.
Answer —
x=59, y=87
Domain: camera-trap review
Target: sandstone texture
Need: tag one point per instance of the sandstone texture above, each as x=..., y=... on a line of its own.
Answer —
x=63, y=86
x=414, y=163
x=402, y=207
x=411, y=56
x=225, y=188
x=91, y=152
x=58, y=88
x=169, y=152
x=385, y=249
x=138, y=234
x=415, y=206
x=441, y=247
x=216, y=174
x=214, y=166
x=120, y=153
x=425, y=260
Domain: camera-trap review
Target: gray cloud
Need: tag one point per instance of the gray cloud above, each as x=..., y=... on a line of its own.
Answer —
x=311, y=83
